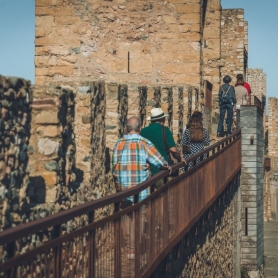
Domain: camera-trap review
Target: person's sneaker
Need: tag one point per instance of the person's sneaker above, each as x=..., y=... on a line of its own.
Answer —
x=130, y=255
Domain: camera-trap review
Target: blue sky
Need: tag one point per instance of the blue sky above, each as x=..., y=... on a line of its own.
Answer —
x=17, y=33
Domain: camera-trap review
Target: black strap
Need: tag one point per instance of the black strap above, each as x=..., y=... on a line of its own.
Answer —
x=165, y=142
x=224, y=91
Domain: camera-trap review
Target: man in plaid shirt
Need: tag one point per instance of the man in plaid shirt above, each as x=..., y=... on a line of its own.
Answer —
x=130, y=157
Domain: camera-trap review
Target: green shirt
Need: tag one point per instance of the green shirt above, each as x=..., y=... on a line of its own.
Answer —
x=153, y=132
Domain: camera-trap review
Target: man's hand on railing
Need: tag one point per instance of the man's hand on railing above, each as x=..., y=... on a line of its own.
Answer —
x=167, y=167
x=184, y=161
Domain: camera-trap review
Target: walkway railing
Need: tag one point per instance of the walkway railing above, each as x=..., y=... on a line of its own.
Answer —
x=131, y=242
x=256, y=102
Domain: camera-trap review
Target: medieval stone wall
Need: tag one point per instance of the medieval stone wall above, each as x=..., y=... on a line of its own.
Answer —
x=159, y=42
x=272, y=127
x=233, y=40
x=15, y=100
x=56, y=151
x=118, y=41
x=257, y=80
x=74, y=129
x=271, y=192
x=228, y=54
x=270, y=180
x=211, y=42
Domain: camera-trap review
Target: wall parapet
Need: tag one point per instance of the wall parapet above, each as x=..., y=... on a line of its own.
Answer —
x=15, y=102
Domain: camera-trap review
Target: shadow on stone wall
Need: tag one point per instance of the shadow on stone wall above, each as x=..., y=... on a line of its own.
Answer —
x=15, y=116
x=79, y=174
x=107, y=161
x=36, y=191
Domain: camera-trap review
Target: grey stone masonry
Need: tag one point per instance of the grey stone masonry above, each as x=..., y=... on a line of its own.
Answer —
x=252, y=247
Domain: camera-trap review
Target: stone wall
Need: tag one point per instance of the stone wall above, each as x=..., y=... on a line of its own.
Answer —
x=271, y=185
x=68, y=157
x=272, y=127
x=228, y=53
x=159, y=42
x=271, y=192
x=74, y=129
x=212, y=247
x=257, y=80
x=233, y=41
x=252, y=181
x=56, y=151
x=119, y=41
x=211, y=45
x=15, y=100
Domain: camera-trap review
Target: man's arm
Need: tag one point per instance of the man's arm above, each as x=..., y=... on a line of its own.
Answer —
x=175, y=153
x=172, y=145
x=155, y=158
x=153, y=155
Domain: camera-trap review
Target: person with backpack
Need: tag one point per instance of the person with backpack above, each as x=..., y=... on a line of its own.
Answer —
x=227, y=102
x=195, y=137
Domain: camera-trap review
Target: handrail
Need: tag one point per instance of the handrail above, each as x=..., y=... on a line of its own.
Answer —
x=255, y=101
x=12, y=234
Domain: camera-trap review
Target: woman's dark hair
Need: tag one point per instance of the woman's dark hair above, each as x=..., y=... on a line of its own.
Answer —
x=197, y=114
x=196, y=127
x=240, y=81
x=196, y=130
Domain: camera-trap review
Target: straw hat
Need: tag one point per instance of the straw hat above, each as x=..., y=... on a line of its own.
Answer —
x=156, y=114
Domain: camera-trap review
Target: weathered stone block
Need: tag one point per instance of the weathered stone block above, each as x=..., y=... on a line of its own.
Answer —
x=47, y=146
x=51, y=165
x=62, y=70
x=46, y=117
x=85, y=142
x=40, y=32
x=48, y=131
x=45, y=3
x=67, y=20
x=169, y=19
x=190, y=18
x=44, y=21
x=84, y=89
x=111, y=91
x=189, y=8
x=86, y=119
x=43, y=11
x=142, y=65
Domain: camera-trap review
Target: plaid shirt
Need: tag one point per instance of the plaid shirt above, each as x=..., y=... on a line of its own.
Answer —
x=129, y=162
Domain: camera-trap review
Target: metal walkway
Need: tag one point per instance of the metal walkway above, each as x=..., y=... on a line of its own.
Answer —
x=131, y=242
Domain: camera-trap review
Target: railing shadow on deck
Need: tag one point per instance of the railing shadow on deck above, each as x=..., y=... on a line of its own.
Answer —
x=131, y=242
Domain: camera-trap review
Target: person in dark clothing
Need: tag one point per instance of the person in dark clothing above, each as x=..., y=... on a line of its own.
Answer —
x=227, y=101
x=154, y=133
